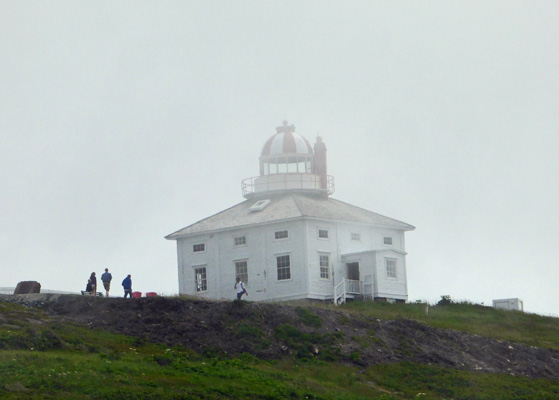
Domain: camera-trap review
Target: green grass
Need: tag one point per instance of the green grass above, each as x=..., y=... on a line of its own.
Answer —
x=41, y=358
x=514, y=326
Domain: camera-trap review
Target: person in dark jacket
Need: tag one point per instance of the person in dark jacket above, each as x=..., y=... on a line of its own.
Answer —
x=92, y=285
x=127, y=285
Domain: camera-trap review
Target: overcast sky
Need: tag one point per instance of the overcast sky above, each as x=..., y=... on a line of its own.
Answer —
x=124, y=121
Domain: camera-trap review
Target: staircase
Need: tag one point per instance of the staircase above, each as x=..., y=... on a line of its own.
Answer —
x=347, y=287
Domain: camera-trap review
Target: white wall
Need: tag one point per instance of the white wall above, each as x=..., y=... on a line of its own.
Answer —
x=304, y=247
x=389, y=287
x=260, y=253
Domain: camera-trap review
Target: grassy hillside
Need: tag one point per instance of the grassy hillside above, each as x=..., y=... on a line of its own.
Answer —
x=514, y=326
x=43, y=357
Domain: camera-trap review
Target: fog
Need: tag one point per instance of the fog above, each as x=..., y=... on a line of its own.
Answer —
x=122, y=122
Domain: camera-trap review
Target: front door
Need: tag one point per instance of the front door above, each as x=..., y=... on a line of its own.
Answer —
x=353, y=271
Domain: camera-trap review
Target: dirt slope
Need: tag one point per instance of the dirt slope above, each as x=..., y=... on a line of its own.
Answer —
x=275, y=330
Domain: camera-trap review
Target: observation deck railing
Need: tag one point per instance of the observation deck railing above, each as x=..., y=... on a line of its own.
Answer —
x=286, y=181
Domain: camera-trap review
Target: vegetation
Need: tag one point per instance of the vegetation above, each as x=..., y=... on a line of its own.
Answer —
x=44, y=358
x=515, y=326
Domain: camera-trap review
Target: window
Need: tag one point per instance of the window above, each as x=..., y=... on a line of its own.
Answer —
x=241, y=271
x=240, y=241
x=260, y=205
x=200, y=279
x=356, y=236
x=391, y=268
x=199, y=247
x=388, y=240
x=323, y=234
x=281, y=234
x=284, y=267
x=324, y=266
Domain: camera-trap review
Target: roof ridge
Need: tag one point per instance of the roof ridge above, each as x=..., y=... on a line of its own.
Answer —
x=292, y=195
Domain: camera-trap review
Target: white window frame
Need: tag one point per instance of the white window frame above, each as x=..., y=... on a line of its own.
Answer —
x=324, y=267
x=319, y=231
x=243, y=276
x=356, y=236
x=391, y=268
x=238, y=239
x=391, y=240
x=283, y=267
x=280, y=233
x=201, y=283
x=203, y=244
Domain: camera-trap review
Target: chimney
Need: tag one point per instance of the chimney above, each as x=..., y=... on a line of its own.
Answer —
x=320, y=164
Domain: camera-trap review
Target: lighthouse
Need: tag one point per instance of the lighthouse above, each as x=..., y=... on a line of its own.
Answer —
x=290, y=239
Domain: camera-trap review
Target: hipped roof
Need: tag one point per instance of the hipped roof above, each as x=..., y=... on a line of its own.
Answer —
x=286, y=207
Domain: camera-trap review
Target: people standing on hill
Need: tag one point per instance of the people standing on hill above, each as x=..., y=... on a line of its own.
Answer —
x=106, y=278
x=240, y=287
x=92, y=285
x=127, y=285
x=88, y=286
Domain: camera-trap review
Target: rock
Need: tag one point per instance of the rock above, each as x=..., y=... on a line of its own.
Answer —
x=26, y=287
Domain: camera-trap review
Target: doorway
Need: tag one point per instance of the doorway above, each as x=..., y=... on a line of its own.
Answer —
x=353, y=271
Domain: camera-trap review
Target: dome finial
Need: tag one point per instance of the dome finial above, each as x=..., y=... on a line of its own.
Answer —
x=285, y=127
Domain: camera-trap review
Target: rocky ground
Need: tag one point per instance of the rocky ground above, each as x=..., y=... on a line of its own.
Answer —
x=272, y=331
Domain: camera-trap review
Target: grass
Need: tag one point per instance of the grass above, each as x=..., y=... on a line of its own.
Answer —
x=42, y=358
x=514, y=326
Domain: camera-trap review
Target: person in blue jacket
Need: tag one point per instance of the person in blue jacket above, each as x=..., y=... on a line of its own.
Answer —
x=127, y=285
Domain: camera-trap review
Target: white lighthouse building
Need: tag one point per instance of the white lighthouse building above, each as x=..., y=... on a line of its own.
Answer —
x=290, y=240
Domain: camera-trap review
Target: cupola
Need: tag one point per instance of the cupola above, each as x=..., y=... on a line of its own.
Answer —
x=288, y=163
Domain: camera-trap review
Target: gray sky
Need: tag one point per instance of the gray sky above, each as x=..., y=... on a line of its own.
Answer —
x=122, y=122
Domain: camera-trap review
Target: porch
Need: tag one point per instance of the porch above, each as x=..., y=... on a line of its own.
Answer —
x=353, y=289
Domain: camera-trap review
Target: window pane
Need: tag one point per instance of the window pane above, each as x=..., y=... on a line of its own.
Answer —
x=240, y=240
x=241, y=271
x=324, y=267
x=323, y=233
x=199, y=247
x=390, y=268
x=388, y=240
x=284, y=268
x=281, y=234
x=200, y=279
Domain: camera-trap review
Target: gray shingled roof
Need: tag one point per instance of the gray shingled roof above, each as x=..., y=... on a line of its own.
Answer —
x=288, y=206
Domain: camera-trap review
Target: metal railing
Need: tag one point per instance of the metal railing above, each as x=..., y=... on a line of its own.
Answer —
x=287, y=181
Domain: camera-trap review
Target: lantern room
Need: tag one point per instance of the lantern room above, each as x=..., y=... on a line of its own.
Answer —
x=288, y=163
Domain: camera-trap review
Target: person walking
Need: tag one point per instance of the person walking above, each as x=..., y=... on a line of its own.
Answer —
x=106, y=278
x=240, y=287
x=92, y=285
x=127, y=285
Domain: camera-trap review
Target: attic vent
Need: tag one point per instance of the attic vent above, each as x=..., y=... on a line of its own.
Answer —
x=260, y=205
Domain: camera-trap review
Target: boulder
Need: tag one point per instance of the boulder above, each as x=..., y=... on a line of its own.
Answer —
x=26, y=287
